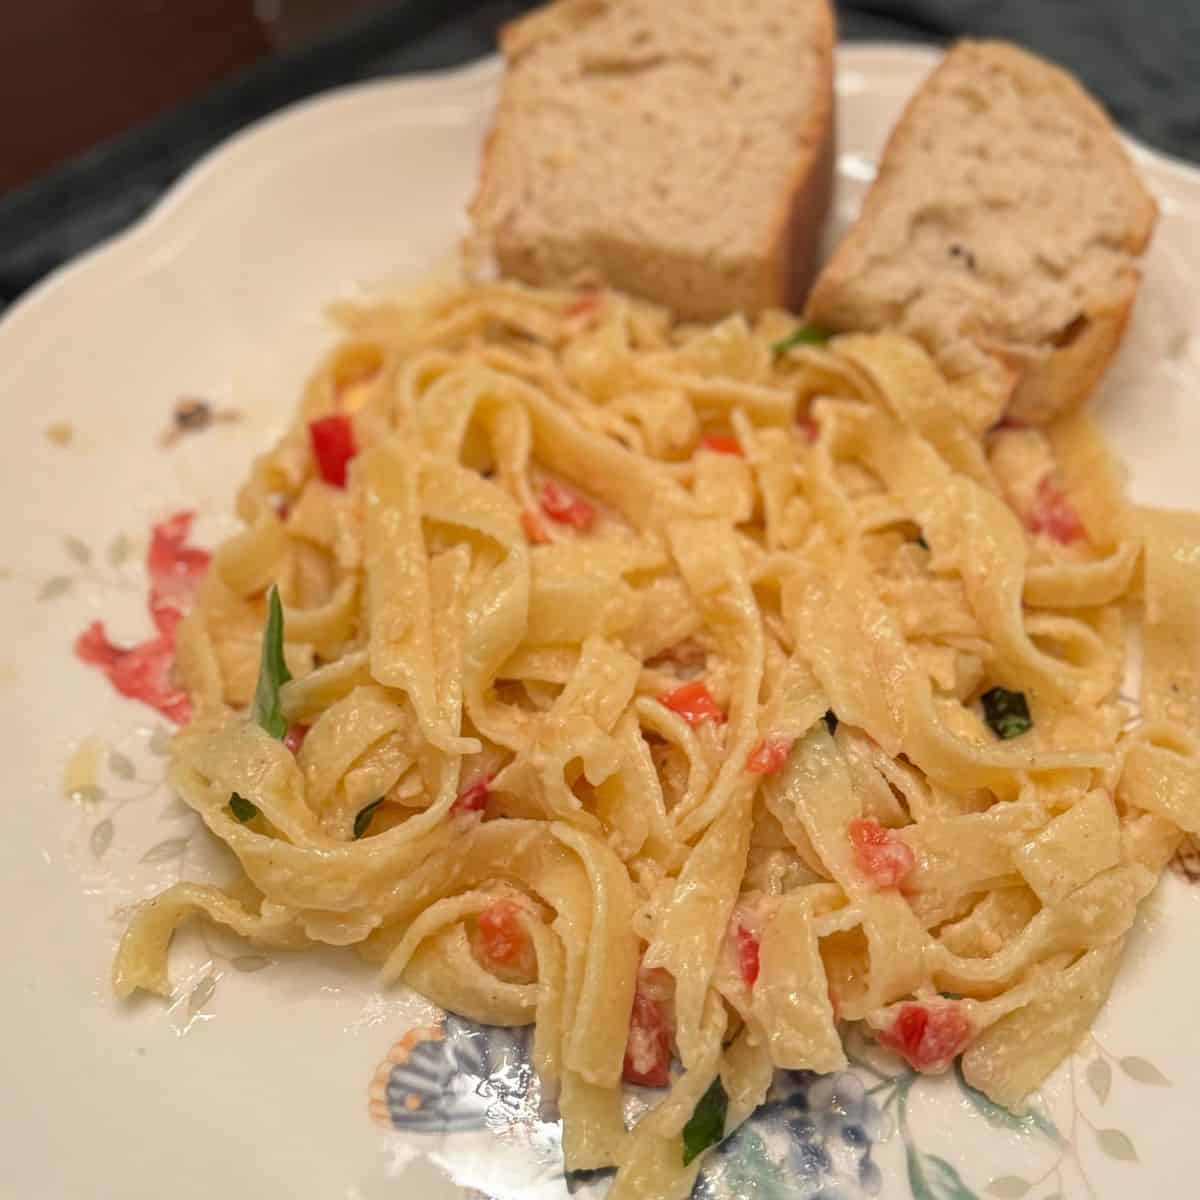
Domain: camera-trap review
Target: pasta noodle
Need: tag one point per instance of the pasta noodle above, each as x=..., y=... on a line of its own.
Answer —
x=689, y=699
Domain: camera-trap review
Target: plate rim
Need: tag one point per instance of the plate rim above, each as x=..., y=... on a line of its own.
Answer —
x=375, y=108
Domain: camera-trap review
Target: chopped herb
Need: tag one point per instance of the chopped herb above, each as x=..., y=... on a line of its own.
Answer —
x=242, y=809
x=1006, y=713
x=922, y=542
x=273, y=672
x=831, y=721
x=706, y=1126
x=272, y=675
x=363, y=820
x=802, y=335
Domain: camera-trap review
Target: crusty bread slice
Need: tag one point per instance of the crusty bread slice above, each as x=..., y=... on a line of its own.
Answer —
x=1002, y=231
x=677, y=149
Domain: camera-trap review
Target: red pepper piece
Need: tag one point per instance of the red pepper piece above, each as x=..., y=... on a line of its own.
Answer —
x=694, y=703
x=566, y=507
x=769, y=756
x=929, y=1037
x=333, y=446
x=880, y=855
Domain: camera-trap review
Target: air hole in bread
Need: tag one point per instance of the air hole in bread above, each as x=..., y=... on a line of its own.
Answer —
x=959, y=251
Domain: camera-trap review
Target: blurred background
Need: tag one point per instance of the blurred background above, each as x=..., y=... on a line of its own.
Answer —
x=106, y=102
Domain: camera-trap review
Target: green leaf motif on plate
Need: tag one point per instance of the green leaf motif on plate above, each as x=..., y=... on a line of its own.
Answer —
x=166, y=850
x=749, y=1171
x=121, y=766
x=1141, y=1070
x=1009, y=1187
x=201, y=994
x=101, y=837
x=118, y=550
x=1033, y=1119
x=1099, y=1078
x=77, y=550
x=1116, y=1144
x=160, y=742
x=933, y=1178
x=249, y=963
x=57, y=586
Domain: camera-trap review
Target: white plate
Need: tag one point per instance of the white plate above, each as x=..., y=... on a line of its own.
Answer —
x=259, y=1086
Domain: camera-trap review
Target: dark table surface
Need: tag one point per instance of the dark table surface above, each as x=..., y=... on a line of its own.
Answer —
x=1140, y=57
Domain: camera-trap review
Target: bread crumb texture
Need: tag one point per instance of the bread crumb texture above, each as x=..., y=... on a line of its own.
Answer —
x=658, y=146
x=1004, y=226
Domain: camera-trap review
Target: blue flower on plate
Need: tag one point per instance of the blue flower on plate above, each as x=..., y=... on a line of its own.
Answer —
x=811, y=1140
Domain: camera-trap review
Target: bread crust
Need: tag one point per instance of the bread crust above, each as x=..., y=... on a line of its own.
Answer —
x=800, y=219
x=778, y=273
x=1066, y=377
x=1050, y=378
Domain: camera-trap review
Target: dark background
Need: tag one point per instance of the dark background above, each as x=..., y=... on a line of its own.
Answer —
x=106, y=102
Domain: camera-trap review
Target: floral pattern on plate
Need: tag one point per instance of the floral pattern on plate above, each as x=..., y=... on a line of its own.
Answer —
x=816, y=1137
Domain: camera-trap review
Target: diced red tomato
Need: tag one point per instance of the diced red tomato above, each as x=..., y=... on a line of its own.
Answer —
x=694, y=703
x=566, y=507
x=175, y=570
x=586, y=304
x=769, y=756
x=747, y=950
x=809, y=428
x=502, y=938
x=929, y=1037
x=648, y=1050
x=534, y=529
x=719, y=444
x=333, y=446
x=879, y=854
x=1053, y=514
x=294, y=738
x=141, y=672
x=473, y=798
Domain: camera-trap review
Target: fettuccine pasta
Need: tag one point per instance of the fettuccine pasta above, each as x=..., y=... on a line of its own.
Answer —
x=690, y=694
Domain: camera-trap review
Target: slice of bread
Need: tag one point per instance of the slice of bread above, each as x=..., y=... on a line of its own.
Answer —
x=678, y=149
x=1002, y=231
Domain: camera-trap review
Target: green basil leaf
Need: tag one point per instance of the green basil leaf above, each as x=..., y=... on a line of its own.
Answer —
x=802, y=335
x=273, y=672
x=242, y=809
x=706, y=1126
x=1006, y=713
x=363, y=820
